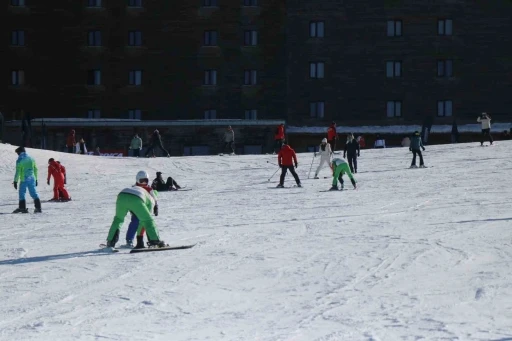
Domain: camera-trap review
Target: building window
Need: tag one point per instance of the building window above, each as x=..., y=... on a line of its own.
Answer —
x=18, y=3
x=94, y=3
x=250, y=38
x=444, y=108
x=393, y=69
x=250, y=77
x=316, y=70
x=445, y=27
x=394, y=28
x=94, y=77
x=445, y=68
x=394, y=109
x=94, y=38
x=135, y=38
x=134, y=114
x=134, y=3
x=317, y=109
x=210, y=3
x=248, y=3
x=210, y=38
x=251, y=114
x=93, y=113
x=135, y=77
x=210, y=114
x=210, y=77
x=18, y=38
x=17, y=77
x=316, y=29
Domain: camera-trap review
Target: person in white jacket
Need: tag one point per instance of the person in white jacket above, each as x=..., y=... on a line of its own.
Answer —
x=485, y=120
x=325, y=153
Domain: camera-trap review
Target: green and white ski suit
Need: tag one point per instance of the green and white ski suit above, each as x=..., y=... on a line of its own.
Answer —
x=141, y=203
x=340, y=167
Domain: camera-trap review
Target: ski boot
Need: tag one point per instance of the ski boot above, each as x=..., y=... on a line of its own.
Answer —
x=128, y=245
x=156, y=243
x=353, y=183
x=316, y=177
x=333, y=188
x=22, y=207
x=413, y=166
x=423, y=166
x=280, y=186
x=37, y=204
x=140, y=243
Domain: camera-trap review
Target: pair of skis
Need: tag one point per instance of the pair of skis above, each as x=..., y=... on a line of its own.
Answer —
x=148, y=249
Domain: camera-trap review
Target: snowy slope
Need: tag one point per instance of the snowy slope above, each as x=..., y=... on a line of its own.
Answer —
x=421, y=254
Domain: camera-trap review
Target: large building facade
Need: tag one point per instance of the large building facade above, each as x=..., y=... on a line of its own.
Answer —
x=368, y=62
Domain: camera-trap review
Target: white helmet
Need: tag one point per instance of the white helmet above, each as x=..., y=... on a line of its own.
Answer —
x=324, y=140
x=141, y=175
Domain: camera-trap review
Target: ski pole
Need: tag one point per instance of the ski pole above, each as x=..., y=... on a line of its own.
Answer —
x=313, y=159
x=274, y=174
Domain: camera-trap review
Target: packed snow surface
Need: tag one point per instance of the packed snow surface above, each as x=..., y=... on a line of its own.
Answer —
x=413, y=254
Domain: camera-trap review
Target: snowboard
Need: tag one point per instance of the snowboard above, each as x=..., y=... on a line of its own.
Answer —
x=294, y=186
x=166, y=248
x=105, y=248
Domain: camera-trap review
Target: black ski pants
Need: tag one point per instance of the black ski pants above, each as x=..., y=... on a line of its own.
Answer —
x=418, y=152
x=154, y=145
x=333, y=144
x=136, y=152
x=229, y=145
x=284, y=169
x=486, y=132
x=171, y=183
x=352, y=162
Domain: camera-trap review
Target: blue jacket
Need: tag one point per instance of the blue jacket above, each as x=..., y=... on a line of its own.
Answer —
x=416, y=143
x=26, y=168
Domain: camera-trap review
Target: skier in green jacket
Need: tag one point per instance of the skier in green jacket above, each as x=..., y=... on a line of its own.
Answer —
x=138, y=201
x=339, y=167
x=26, y=174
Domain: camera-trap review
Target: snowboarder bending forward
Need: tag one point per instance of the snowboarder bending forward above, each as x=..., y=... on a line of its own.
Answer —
x=138, y=201
x=339, y=167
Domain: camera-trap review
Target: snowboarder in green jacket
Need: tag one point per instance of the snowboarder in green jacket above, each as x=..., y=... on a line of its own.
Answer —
x=26, y=174
x=339, y=167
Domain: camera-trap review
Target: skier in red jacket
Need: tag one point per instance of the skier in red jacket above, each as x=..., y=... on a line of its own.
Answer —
x=58, y=180
x=286, y=159
x=279, y=138
x=332, y=136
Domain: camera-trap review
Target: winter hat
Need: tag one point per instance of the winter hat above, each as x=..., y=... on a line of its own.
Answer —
x=20, y=150
x=51, y=160
x=324, y=140
x=158, y=173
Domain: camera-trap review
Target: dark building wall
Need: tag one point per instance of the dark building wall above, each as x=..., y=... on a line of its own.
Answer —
x=356, y=47
x=56, y=59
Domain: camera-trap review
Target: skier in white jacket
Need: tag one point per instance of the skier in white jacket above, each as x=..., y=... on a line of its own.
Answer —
x=325, y=153
x=485, y=121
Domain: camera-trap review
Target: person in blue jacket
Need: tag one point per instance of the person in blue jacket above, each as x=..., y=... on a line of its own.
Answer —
x=26, y=175
x=415, y=146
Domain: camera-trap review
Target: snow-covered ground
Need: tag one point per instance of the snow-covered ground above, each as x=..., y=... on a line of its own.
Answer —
x=422, y=254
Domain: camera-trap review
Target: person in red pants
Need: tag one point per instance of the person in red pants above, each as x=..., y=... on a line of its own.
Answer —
x=55, y=170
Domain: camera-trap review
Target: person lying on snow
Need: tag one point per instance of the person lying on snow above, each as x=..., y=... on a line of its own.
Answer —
x=160, y=185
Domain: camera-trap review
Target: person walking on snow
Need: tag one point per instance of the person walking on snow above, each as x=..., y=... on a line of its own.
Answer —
x=136, y=145
x=55, y=170
x=415, y=146
x=279, y=138
x=26, y=173
x=332, y=136
x=138, y=201
x=229, y=140
x=71, y=142
x=286, y=158
x=339, y=167
x=156, y=141
x=162, y=186
x=325, y=153
x=485, y=120
x=353, y=151
x=142, y=180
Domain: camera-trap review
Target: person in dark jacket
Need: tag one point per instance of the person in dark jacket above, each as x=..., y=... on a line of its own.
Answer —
x=286, y=158
x=416, y=144
x=353, y=150
x=156, y=141
x=160, y=185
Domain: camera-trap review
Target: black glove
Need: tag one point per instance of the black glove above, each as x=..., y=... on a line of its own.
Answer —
x=280, y=166
x=15, y=185
x=48, y=182
x=358, y=155
x=410, y=149
x=344, y=156
x=36, y=183
x=296, y=165
x=155, y=210
x=423, y=148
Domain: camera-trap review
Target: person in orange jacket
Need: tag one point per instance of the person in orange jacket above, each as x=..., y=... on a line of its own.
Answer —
x=332, y=136
x=286, y=158
x=63, y=170
x=279, y=138
x=55, y=170
x=71, y=142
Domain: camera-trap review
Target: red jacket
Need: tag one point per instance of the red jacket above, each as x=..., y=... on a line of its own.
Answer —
x=70, y=142
x=331, y=133
x=279, y=133
x=55, y=169
x=286, y=156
